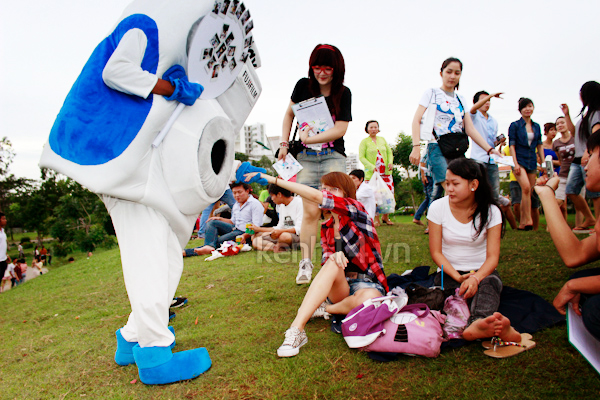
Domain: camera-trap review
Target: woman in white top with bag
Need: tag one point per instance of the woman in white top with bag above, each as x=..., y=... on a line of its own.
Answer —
x=465, y=228
x=445, y=115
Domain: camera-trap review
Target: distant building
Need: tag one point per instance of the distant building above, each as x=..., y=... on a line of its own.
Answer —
x=352, y=162
x=248, y=140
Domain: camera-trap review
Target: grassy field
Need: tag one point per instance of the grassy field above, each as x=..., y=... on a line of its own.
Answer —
x=58, y=335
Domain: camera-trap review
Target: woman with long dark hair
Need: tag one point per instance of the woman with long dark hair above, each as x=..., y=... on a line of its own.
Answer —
x=465, y=228
x=325, y=78
x=524, y=139
x=351, y=266
x=588, y=124
x=446, y=114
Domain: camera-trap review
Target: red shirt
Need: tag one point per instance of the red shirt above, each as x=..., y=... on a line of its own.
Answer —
x=361, y=244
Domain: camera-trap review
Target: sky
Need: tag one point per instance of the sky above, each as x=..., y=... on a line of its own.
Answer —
x=393, y=50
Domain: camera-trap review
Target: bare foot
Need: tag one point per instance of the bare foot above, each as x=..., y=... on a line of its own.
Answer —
x=506, y=332
x=417, y=221
x=204, y=250
x=482, y=328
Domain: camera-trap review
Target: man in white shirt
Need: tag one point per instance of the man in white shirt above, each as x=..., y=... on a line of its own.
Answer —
x=3, y=245
x=364, y=193
x=246, y=210
x=286, y=235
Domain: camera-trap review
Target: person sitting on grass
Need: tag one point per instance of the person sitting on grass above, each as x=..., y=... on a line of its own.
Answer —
x=583, y=288
x=20, y=270
x=246, y=210
x=364, y=193
x=465, y=228
x=351, y=266
x=38, y=264
x=286, y=235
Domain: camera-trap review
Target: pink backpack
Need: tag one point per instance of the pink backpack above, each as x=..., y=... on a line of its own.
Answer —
x=365, y=323
x=415, y=330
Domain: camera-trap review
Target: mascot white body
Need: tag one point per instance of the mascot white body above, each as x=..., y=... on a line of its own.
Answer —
x=103, y=137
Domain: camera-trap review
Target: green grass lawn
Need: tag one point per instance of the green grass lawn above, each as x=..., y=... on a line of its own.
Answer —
x=58, y=334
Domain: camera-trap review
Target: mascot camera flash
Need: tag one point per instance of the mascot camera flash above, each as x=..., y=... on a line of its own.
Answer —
x=186, y=68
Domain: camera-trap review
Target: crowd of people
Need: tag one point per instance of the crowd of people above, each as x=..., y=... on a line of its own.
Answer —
x=466, y=212
x=14, y=271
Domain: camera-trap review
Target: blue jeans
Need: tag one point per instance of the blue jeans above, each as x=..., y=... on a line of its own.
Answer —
x=218, y=232
x=227, y=198
x=493, y=178
x=315, y=166
x=436, y=162
x=428, y=190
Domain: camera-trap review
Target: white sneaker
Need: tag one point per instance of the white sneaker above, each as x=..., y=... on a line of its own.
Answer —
x=294, y=339
x=320, y=312
x=304, y=272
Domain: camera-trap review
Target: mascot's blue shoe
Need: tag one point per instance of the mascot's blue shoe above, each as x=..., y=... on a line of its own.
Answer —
x=159, y=366
x=124, y=353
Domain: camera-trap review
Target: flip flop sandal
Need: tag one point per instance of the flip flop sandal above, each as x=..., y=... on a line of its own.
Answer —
x=581, y=229
x=501, y=349
x=487, y=344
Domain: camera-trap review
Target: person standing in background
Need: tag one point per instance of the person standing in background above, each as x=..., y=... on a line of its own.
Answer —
x=550, y=133
x=376, y=155
x=525, y=138
x=487, y=126
x=588, y=124
x=3, y=245
x=364, y=193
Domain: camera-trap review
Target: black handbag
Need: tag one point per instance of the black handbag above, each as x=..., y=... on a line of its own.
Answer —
x=453, y=145
x=433, y=297
x=295, y=146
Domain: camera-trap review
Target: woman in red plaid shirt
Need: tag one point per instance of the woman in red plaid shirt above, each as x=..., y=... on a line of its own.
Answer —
x=351, y=267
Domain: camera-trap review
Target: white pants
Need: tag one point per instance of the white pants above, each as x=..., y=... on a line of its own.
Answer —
x=152, y=266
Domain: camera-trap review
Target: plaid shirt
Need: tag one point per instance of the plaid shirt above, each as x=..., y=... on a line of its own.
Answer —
x=361, y=244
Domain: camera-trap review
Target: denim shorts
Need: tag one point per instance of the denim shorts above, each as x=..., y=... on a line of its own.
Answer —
x=315, y=166
x=515, y=195
x=436, y=162
x=576, y=181
x=358, y=284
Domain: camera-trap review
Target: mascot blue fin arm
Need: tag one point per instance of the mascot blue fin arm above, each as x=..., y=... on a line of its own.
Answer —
x=124, y=353
x=247, y=168
x=159, y=366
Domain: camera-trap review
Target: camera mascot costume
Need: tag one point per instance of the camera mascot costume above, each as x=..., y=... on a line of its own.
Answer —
x=103, y=138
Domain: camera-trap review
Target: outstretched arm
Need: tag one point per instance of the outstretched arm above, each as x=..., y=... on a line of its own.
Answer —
x=483, y=100
x=573, y=252
x=306, y=192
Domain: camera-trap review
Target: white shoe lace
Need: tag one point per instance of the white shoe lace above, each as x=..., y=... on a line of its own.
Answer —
x=292, y=337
